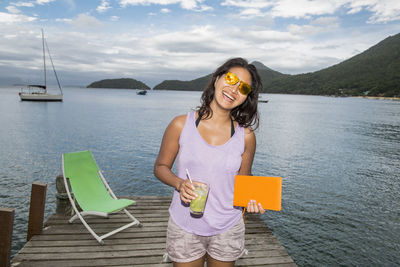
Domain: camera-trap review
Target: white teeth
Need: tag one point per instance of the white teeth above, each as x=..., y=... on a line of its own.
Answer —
x=228, y=96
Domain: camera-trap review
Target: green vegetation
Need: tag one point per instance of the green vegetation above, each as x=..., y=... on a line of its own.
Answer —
x=123, y=83
x=193, y=85
x=200, y=83
x=375, y=72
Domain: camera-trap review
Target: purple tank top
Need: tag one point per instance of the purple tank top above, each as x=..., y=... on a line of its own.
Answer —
x=214, y=165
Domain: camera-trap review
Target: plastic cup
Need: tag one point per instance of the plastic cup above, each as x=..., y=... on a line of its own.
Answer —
x=197, y=205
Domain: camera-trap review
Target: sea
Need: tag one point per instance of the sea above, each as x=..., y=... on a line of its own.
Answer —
x=339, y=159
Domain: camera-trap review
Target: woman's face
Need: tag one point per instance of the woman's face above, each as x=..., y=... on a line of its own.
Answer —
x=228, y=96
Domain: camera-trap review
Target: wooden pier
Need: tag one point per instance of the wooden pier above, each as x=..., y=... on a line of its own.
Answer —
x=64, y=244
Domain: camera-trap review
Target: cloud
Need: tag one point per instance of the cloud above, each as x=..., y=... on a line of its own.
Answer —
x=103, y=7
x=64, y=20
x=199, y=40
x=23, y=4
x=283, y=8
x=326, y=21
x=7, y=18
x=114, y=18
x=382, y=11
x=165, y=10
x=319, y=25
x=251, y=13
x=194, y=5
x=43, y=2
x=85, y=21
x=303, y=8
x=13, y=10
x=259, y=4
x=264, y=36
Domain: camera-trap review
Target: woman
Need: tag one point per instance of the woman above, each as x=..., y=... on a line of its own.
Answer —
x=214, y=143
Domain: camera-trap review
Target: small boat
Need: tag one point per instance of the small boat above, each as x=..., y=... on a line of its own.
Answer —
x=141, y=92
x=39, y=92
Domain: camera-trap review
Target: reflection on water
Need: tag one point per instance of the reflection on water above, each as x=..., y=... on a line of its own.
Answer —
x=339, y=159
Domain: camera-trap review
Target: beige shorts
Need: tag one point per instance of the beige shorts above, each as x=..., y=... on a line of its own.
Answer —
x=186, y=247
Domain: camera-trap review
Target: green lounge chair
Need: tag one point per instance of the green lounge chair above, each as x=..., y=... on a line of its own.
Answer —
x=91, y=191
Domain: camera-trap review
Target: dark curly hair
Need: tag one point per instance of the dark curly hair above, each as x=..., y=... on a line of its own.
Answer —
x=245, y=114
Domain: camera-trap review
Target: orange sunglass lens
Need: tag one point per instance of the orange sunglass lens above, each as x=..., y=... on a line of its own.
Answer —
x=231, y=78
x=245, y=89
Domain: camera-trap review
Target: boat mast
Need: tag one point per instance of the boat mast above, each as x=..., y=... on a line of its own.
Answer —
x=54, y=69
x=44, y=63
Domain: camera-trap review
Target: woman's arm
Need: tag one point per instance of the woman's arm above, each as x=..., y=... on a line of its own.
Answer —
x=166, y=157
x=248, y=154
x=247, y=162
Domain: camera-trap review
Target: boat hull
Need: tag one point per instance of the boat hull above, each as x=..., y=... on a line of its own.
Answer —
x=142, y=92
x=40, y=97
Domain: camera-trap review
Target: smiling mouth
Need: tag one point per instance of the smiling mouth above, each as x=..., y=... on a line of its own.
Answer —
x=231, y=98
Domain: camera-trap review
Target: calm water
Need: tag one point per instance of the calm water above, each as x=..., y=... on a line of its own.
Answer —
x=339, y=157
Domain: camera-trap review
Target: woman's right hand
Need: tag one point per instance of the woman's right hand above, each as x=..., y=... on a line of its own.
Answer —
x=186, y=191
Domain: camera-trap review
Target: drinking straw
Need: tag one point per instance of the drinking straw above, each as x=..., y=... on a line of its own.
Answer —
x=188, y=175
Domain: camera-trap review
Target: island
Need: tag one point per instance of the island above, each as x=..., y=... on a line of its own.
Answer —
x=122, y=83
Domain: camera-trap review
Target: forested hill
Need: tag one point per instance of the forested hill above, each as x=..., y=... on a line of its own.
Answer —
x=123, y=83
x=200, y=83
x=375, y=72
x=194, y=85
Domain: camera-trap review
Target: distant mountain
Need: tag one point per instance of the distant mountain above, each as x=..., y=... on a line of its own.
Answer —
x=267, y=74
x=194, y=85
x=123, y=83
x=200, y=83
x=375, y=72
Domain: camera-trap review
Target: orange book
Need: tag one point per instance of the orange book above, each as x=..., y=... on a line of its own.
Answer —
x=265, y=190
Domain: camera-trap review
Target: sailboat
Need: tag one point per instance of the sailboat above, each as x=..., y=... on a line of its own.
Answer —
x=39, y=92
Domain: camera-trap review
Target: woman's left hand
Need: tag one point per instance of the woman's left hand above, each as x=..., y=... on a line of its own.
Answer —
x=253, y=207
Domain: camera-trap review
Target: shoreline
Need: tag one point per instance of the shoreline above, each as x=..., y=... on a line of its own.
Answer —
x=379, y=97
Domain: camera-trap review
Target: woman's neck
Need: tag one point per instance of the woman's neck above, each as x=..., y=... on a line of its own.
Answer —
x=219, y=115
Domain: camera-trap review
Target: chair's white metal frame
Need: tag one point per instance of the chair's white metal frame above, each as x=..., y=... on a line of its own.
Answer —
x=81, y=214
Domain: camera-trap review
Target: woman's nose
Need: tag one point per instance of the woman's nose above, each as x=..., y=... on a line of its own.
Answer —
x=235, y=88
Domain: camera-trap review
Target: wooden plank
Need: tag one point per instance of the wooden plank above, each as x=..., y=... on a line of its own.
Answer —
x=131, y=261
x=6, y=229
x=92, y=242
x=91, y=255
x=123, y=235
x=147, y=227
x=140, y=246
x=263, y=261
x=36, y=209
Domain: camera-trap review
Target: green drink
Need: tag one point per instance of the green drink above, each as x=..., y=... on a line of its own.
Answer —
x=197, y=205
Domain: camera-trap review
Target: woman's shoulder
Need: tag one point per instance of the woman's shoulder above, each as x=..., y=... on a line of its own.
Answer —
x=248, y=133
x=179, y=121
x=249, y=139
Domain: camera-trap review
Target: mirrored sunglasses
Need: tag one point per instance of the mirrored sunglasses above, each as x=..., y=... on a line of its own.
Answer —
x=232, y=79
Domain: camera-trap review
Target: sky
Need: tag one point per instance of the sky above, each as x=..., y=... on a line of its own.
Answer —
x=156, y=40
